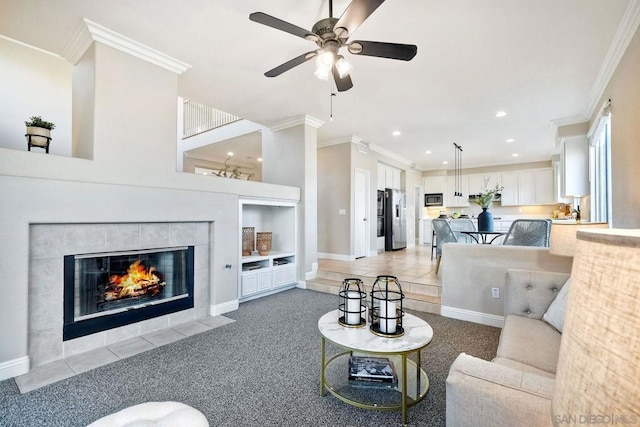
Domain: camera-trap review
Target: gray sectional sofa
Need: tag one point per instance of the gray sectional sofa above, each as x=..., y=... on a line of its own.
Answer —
x=516, y=387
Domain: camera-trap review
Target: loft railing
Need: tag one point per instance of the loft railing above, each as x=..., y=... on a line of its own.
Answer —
x=200, y=118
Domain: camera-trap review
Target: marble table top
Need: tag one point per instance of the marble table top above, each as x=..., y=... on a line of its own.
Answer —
x=417, y=334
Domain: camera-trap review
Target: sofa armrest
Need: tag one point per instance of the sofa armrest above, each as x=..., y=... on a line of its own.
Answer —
x=481, y=393
x=529, y=293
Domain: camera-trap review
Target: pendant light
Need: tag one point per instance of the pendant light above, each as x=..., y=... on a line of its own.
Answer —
x=457, y=170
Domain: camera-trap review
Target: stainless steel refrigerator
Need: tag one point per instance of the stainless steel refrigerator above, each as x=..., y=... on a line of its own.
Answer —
x=395, y=222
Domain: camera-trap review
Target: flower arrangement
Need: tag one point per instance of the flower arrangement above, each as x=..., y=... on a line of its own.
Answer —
x=487, y=196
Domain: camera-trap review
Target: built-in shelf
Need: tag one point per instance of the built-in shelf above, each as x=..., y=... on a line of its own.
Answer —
x=262, y=275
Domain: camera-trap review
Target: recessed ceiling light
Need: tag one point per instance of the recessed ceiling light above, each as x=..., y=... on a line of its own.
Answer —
x=396, y=133
x=445, y=163
x=511, y=140
x=428, y=151
x=515, y=155
x=259, y=159
x=501, y=114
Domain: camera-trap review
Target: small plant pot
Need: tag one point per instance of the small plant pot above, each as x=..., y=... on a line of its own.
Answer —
x=38, y=137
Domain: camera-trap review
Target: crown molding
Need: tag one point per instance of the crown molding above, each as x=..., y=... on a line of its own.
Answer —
x=390, y=154
x=351, y=139
x=18, y=42
x=304, y=119
x=89, y=32
x=628, y=27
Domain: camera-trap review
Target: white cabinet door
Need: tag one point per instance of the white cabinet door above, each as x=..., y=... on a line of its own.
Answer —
x=575, y=162
x=381, y=177
x=434, y=184
x=284, y=275
x=544, y=187
x=510, y=191
x=249, y=283
x=264, y=279
x=527, y=188
x=396, y=175
x=482, y=182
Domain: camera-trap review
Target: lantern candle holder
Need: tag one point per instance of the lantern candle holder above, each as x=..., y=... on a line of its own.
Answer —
x=352, y=306
x=248, y=240
x=386, y=309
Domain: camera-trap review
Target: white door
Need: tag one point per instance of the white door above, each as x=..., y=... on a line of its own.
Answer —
x=361, y=213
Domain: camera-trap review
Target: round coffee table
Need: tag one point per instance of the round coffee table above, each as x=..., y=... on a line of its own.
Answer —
x=412, y=384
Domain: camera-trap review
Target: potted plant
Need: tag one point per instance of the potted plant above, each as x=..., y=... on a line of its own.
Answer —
x=38, y=132
x=484, y=200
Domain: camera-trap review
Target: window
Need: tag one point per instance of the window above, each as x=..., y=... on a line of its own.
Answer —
x=600, y=167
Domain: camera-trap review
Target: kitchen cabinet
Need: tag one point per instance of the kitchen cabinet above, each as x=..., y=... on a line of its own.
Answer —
x=575, y=165
x=392, y=177
x=434, y=184
x=509, y=196
x=477, y=182
x=527, y=187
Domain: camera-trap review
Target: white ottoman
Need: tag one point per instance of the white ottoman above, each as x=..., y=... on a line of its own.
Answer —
x=154, y=414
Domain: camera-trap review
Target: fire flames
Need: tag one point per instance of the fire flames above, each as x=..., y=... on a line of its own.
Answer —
x=137, y=282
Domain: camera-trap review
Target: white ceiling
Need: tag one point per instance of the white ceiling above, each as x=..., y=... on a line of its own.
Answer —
x=536, y=60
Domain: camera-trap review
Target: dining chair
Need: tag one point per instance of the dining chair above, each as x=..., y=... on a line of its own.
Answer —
x=528, y=232
x=462, y=224
x=444, y=234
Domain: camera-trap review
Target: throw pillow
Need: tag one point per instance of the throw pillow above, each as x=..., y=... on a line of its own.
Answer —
x=558, y=307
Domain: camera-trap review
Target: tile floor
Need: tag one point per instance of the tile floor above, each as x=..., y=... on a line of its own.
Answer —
x=412, y=264
x=79, y=363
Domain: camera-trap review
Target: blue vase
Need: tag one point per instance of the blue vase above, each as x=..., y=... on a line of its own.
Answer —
x=485, y=220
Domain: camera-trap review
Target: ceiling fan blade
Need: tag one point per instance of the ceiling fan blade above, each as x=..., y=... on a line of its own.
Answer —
x=404, y=52
x=279, y=24
x=342, y=84
x=290, y=64
x=355, y=14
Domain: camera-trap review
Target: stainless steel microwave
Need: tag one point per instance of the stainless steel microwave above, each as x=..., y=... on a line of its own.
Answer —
x=433, y=199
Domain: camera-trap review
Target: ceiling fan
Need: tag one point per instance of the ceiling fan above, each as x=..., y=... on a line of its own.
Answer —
x=331, y=34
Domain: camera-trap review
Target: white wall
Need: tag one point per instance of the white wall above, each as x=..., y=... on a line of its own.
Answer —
x=131, y=178
x=34, y=83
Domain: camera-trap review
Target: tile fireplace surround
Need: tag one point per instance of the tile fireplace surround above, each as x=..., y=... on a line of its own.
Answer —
x=48, y=243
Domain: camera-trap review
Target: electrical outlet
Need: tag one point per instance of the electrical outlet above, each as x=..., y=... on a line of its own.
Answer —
x=495, y=292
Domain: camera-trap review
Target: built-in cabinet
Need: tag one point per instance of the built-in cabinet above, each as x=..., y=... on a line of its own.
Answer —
x=481, y=182
x=269, y=273
x=527, y=187
x=389, y=177
x=461, y=184
x=575, y=167
x=435, y=184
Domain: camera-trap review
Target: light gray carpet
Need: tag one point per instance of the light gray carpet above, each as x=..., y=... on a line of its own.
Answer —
x=262, y=370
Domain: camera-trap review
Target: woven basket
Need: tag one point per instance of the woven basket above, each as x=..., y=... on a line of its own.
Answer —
x=264, y=242
x=248, y=239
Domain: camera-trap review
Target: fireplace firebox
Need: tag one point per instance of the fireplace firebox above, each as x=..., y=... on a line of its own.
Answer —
x=107, y=290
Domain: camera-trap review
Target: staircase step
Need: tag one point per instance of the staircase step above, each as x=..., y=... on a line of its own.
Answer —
x=413, y=300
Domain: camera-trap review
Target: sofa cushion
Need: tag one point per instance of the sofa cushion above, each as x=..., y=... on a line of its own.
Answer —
x=558, y=307
x=522, y=367
x=530, y=341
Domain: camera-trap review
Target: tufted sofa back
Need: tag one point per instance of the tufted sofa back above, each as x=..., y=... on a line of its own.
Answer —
x=529, y=293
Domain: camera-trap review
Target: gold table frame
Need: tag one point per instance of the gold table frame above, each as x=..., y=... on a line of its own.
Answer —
x=413, y=382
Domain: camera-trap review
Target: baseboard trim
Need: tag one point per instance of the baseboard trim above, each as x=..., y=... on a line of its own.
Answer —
x=472, y=316
x=13, y=368
x=225, y=307
x=336, y=257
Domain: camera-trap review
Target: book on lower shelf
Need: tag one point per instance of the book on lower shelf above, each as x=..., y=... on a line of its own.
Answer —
x=369, y=371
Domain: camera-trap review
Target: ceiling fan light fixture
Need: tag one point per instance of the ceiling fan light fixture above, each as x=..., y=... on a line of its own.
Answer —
x=344, y=68
x=325, y=59
x=322, y=73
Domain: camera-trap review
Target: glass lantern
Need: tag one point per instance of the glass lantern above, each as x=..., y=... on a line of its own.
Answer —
x=386, y=309
x=352, y=306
